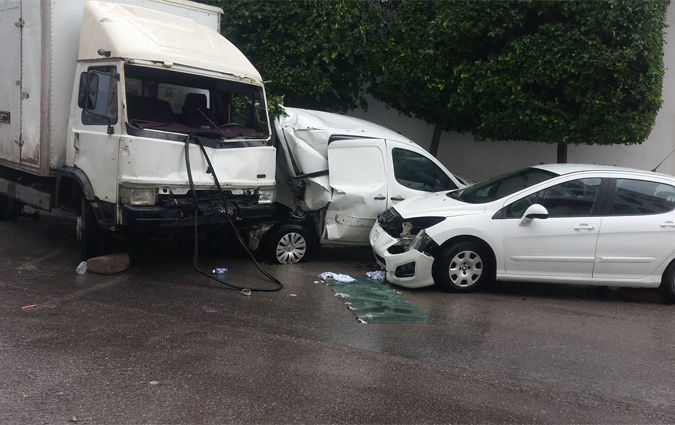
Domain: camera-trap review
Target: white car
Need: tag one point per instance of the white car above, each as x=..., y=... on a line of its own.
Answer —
x=556, y=223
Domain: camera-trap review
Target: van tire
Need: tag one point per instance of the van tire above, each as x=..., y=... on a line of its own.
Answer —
x=10, y=209
x=287, y=244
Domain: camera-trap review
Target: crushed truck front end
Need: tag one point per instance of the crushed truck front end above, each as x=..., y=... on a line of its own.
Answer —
x=178, y=125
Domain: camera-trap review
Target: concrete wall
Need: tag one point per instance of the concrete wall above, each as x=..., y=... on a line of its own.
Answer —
x=480, y=160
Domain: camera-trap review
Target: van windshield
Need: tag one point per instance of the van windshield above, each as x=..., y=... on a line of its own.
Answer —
x=165, y=100
x=501, y=186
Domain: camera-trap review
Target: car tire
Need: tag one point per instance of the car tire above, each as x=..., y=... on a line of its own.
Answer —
x=288, y=244
x=667, y=286
x=10, y=209
x=463, y=267
x=90, y=234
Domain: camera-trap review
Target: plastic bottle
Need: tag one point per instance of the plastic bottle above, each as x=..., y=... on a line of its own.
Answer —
x=81, y=268
x=219, y=270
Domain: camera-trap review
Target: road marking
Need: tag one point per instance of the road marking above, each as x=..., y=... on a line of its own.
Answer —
x=30, y=265
x=82, y=292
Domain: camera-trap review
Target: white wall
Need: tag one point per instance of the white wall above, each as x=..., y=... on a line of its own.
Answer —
x=480, y=160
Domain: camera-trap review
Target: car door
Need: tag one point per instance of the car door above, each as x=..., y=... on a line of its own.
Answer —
x=638, y=232
x=356, y=169
x=562, y=245
x=413, y=172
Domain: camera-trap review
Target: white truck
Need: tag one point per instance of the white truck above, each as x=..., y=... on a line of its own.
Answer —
x=335, y=174
x=125, y=112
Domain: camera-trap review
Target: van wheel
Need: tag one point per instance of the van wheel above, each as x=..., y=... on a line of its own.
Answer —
x=10, y=209
x=667, y=287
x=464, y=267
x=288, y=244
x=89, y=232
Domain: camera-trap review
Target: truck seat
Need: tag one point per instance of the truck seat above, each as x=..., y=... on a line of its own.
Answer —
x=149, y=109
x=194, y=103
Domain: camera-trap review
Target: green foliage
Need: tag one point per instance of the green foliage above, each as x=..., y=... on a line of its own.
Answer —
x=314, y=54
x=548, y=71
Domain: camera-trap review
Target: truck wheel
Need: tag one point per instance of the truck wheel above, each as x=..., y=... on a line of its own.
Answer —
x=464, y=267
x=89, y=232
x=10, y=208
x=288, y=244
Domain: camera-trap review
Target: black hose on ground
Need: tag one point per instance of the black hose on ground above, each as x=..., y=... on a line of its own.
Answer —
x=195, y=255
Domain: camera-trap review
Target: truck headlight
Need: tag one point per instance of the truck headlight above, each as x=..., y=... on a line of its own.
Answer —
x=132, y=196
x=265, y=196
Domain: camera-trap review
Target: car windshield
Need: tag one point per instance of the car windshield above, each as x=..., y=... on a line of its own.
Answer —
x=499, y=187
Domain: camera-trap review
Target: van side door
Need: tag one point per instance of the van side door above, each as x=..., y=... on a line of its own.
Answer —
x=357, y=176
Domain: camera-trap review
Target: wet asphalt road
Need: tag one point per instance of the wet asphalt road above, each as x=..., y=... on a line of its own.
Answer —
x=161, y=344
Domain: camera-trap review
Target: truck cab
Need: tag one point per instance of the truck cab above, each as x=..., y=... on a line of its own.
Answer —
x=147, y=119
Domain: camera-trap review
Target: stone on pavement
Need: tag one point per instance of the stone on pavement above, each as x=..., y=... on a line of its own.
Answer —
x=109, y=264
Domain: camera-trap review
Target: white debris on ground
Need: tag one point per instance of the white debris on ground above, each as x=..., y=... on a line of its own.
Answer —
x=81, y=268
x=379, y=275
x=342, y=278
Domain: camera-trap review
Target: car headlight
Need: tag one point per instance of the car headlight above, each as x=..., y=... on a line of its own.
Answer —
x=265, y=196
x=422, y=243
x=133, y=196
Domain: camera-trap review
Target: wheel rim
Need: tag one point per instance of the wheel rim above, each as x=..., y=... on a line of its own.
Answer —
x=466, y=268
x=291, y=248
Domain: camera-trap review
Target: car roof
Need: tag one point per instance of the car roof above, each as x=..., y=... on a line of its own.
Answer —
x=562, y=169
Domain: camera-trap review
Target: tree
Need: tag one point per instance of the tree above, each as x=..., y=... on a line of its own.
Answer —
x=587, y=72
x=313, y=53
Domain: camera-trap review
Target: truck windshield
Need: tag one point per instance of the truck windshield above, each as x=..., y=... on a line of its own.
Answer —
x=499, y=187
x=165, y=100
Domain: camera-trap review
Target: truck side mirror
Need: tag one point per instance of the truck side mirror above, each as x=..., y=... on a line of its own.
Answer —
x=88, y=91
x=532, y=212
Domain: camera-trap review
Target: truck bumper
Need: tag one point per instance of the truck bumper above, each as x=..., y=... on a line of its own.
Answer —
x=164, y=218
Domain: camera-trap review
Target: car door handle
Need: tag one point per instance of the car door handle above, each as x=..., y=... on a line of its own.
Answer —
x=380, y=197
x=668, y=225
x=397, y=198
x=584, y=227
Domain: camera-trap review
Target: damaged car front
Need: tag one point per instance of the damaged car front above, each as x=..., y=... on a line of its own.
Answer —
x=406, y=238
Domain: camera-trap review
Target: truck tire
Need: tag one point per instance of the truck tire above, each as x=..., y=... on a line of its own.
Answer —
x=10, y=208
x=90, y=233
x=288, y=244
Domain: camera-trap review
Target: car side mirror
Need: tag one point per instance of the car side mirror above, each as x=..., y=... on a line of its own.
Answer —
x=532, y=212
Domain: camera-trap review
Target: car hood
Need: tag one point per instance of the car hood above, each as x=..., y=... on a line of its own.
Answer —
x=436, y=204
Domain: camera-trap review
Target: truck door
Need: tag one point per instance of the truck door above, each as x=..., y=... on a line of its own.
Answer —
x=10, y=88
x=413, y=172
x=96, y=151
x=357, y=177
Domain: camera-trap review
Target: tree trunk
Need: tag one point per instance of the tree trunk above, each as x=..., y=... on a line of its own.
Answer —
x=562, y=153
x=436, y=140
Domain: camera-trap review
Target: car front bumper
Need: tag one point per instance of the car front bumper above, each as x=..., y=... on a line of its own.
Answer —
x=421, y=275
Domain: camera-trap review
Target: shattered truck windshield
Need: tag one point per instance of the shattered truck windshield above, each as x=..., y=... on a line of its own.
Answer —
x=177, y=102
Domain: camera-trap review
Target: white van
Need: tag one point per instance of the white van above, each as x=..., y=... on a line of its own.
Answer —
x=335, y=174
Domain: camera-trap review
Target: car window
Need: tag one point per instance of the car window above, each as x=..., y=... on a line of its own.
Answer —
x=418, y=172
x=504, y=185
x=574, y=198
x=640, y=197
